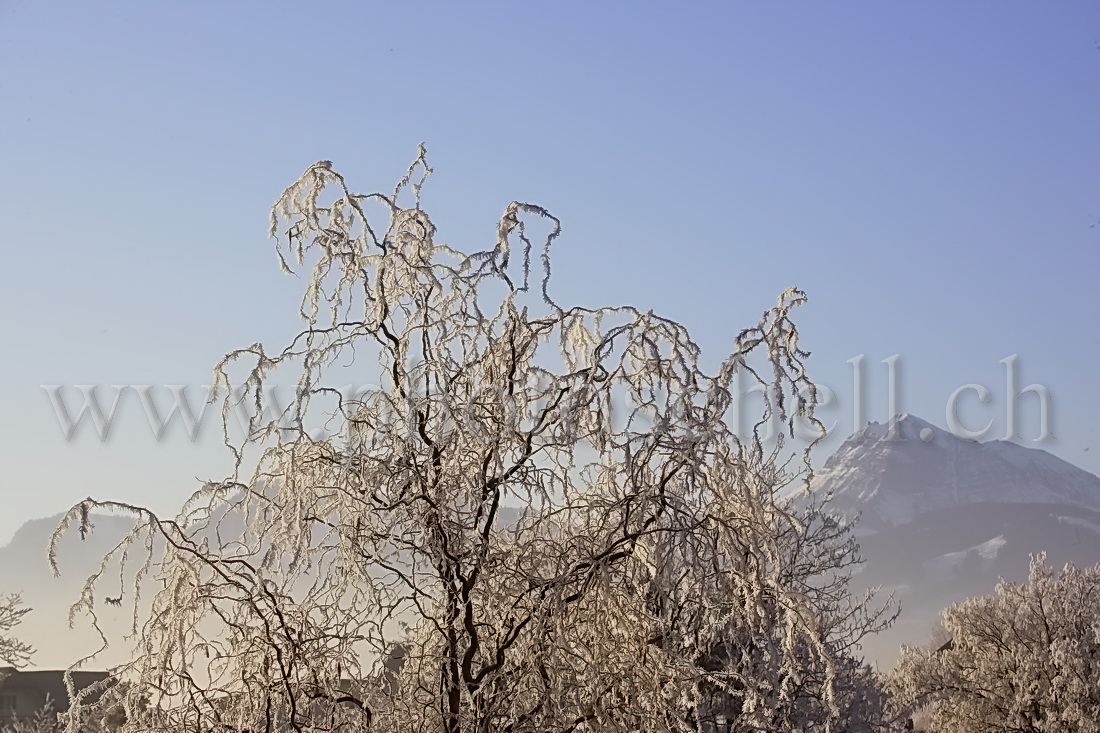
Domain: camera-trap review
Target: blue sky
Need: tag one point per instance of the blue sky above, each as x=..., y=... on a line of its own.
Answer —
x=928, y=172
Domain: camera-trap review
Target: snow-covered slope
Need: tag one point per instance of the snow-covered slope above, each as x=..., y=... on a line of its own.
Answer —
x=893, y=477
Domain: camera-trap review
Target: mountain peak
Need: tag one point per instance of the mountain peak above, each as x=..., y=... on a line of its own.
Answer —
x=896, y=471
x=905, y=426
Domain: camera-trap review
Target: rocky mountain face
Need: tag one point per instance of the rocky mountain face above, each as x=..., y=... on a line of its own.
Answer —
x=942, y=519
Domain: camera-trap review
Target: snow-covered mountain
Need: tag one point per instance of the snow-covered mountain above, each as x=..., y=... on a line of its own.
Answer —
x=942, y=519
x=895, y=477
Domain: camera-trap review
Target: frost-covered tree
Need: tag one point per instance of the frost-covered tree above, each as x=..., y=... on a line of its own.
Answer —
x=16, y=653
x=540, y=520
x=1026, y=658
x=13, y=652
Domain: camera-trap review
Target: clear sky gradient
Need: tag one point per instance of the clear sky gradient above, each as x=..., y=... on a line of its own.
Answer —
x=928, y=172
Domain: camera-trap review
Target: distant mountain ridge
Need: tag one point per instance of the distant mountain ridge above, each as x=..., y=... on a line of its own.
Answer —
x=24, y=569
x=893, y=479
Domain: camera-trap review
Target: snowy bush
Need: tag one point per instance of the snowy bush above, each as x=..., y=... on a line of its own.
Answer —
x=1026, y=658
x=13, y=652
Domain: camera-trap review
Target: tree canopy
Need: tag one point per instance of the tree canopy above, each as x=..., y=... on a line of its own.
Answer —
x=1025, y=658
x=539, y=520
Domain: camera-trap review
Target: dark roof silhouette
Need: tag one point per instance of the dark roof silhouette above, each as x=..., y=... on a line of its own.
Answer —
x=24, y=693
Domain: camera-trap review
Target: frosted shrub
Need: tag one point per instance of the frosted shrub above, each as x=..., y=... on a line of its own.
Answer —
x=1025, y=658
